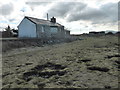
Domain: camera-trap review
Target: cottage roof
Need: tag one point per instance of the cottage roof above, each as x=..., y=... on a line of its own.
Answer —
x=42, y=21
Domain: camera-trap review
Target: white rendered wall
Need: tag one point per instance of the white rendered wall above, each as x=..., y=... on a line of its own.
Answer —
x=27, y=29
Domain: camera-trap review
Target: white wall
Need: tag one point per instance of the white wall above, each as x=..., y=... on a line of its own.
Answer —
x=27, y=29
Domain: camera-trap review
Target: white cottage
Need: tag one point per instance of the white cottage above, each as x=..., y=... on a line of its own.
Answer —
x=38, y=28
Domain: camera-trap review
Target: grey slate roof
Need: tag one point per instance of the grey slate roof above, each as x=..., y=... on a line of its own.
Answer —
x=42, y=21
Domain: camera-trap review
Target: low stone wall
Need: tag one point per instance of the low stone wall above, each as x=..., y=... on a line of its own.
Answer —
x=9, y=43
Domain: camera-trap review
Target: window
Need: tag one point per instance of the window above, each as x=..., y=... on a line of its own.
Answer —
x=65, y=32
x=42, y=29
x=60, y=30
x=54, y=30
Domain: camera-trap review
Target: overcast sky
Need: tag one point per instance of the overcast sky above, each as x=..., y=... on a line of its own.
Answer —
x=79, y=16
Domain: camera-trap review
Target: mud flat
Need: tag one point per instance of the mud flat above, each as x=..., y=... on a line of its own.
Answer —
x=89, y=63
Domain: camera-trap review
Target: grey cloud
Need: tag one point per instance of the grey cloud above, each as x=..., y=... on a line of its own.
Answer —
x=111, y=10
x=6, y=9
x=11, y=20
x=37, y=3
x=62, y=9
x=106, y=13
x=89, y=14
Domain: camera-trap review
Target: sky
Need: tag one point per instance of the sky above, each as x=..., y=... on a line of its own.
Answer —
x=78, y=16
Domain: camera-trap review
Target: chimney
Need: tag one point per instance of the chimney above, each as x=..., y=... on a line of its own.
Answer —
x=47, y=17
x=53, y=20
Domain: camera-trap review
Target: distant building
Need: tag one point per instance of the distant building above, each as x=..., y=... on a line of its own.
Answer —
x=109, y=33
x=118, y=33
x=67, y=34
x=97, y=33
x=38, y=28
x=102, y=33
x=93, y=33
